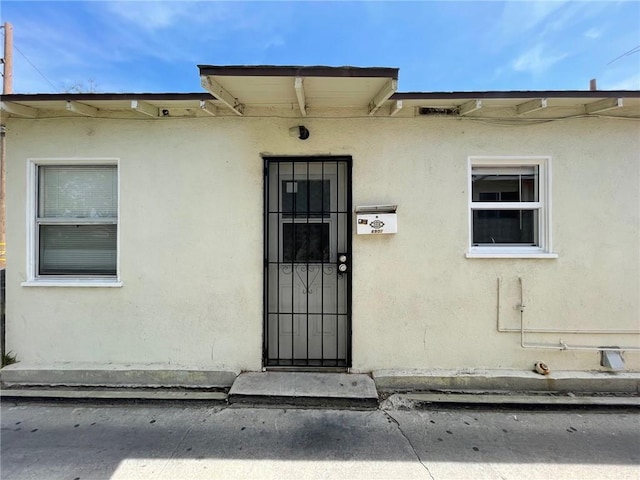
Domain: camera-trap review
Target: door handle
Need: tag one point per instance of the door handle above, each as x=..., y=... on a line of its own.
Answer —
x=342, y=262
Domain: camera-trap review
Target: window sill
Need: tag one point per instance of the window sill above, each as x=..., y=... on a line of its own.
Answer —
x=512, y=254
x=73, y=282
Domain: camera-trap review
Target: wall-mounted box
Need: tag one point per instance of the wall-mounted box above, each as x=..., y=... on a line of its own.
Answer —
x=376, y=219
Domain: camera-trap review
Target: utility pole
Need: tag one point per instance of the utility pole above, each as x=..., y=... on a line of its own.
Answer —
x=7, y=88
x=7, y=80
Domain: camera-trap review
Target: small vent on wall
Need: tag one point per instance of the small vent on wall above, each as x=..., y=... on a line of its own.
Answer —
x=438, y=111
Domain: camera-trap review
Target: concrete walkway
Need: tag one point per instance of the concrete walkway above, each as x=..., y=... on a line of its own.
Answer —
x=342, y=390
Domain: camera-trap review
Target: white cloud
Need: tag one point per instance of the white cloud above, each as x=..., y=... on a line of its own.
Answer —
x=593, y=33
x=579, y=12
x=152, y=16
x=520, y=17
x=73, y=43
x=48, y=56
x=548, y=21
x=190, y=31
x=536, y=60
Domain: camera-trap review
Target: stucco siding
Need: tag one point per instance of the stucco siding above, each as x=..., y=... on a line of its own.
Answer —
x=191, y=243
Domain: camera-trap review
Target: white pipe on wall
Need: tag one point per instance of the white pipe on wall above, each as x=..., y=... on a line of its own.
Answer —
x=561, y=345
x=500, y=328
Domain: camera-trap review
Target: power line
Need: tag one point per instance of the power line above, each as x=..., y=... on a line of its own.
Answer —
x=34, y=67
x=633, y=50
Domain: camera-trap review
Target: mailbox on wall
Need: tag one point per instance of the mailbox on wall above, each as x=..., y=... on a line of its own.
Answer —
x=376, y=219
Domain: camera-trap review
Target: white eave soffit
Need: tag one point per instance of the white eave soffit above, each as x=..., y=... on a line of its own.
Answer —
x=237, y=91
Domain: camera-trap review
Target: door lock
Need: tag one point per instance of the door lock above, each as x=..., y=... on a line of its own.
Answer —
x=342, y=262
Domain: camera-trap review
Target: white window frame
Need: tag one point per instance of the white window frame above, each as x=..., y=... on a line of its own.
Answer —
x=542, y=206
x=33, y=278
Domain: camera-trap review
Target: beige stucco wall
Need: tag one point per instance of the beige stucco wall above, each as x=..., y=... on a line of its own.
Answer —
x=191, y=228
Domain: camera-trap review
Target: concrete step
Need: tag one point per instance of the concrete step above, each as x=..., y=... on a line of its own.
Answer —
x=107, y=375
x=112, y=393
x=398, y=380
x=506, y=399
x=304, y=389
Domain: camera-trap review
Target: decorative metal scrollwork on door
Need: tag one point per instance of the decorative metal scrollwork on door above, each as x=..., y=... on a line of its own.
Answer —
x=308, y=275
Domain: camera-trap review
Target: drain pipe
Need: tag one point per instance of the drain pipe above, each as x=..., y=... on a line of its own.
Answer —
x=561, y=345
x=502, y=329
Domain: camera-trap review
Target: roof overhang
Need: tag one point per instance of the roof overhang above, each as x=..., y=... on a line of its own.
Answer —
x=304, y=89
x=105, y=105
x=524, y=105
x=319, y=91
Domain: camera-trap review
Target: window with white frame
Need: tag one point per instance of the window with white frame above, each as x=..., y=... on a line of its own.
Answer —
x=509, y=208
x=76, y=220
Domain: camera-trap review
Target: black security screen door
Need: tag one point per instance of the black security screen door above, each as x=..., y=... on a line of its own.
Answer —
x=307, y=262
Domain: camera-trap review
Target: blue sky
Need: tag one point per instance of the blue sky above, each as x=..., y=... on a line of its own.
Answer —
x=145, y=46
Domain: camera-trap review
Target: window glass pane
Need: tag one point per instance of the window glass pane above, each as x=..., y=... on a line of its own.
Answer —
x=78, y=249
x=77, y=191
x=305, y=242
x=505, y=184
x=505, y=227
x=306, y=197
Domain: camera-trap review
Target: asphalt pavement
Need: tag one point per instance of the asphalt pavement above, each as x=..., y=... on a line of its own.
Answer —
x=125, y=440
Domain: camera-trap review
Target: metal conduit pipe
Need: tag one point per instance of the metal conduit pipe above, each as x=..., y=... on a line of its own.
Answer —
x=502, y=329
x=561, y=345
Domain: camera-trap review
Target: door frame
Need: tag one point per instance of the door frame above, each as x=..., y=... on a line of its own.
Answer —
x=267, y=160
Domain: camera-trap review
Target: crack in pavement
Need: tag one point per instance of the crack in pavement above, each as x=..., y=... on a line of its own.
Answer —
x=209, y=412
x=392, y=418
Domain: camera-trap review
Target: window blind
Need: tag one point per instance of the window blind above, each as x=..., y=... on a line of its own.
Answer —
x=88, y=191
x=77, y=220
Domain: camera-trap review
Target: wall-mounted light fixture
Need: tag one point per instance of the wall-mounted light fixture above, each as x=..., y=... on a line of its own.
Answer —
x=300, y=131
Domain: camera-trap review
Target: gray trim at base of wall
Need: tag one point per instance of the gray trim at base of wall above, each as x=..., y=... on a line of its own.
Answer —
x=116, y=378
x=509, y=381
